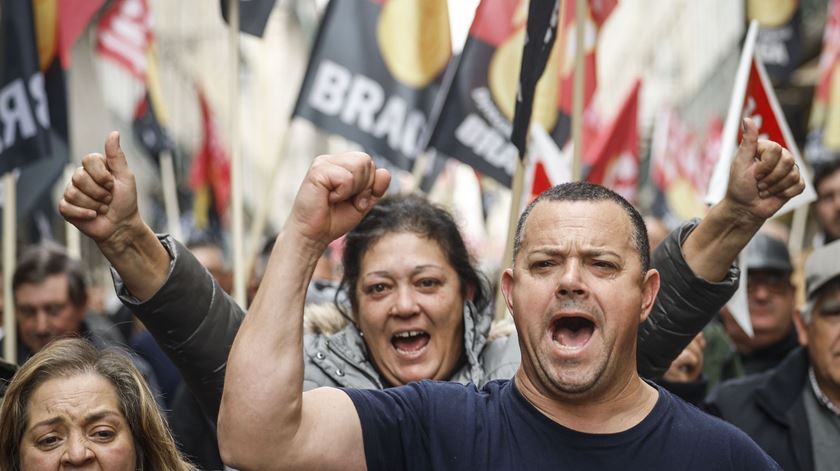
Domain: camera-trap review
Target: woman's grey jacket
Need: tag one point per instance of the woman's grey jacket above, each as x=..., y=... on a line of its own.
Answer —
x=195, y=322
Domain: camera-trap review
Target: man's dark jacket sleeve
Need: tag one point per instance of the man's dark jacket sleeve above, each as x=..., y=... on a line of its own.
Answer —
x=685, y=304
x=193, y=320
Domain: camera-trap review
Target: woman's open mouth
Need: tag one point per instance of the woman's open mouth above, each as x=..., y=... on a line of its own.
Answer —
x=572, y=333
x=410, y=342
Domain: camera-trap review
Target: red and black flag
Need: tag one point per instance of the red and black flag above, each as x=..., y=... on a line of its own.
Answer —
x=374, y=73
x=474, y=125
x=210, y=173
x=779, y=44
x=149, y=131
x=24, y=108
x=253, y=15
x=539, y=41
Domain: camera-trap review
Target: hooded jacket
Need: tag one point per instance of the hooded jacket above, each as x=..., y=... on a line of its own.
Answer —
x=195, y=322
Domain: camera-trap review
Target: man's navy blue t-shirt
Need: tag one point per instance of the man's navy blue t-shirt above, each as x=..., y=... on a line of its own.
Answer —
x=443, y=425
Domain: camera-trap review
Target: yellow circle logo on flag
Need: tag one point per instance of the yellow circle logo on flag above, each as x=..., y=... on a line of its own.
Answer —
x=771, y=13
x=413, y=37
x=503, y=80
x=46, y=28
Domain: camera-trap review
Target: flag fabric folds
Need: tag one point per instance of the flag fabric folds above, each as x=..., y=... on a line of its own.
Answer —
x=73, y=18
x=474, y=124
x=24, y=109
x=149, y=131
x=210, y=172
x=124, y=34
x=539, y=42
x=615, y=153
x=823, y=143
x=253, y=15
x=753, y=97
x=375, y=71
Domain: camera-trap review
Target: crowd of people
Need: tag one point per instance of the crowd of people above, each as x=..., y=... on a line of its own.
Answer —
x=615, y=355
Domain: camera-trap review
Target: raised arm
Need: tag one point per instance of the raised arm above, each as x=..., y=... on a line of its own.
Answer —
x=178, y=301
x=695, y=262
x=101, y=201
x=266, y=420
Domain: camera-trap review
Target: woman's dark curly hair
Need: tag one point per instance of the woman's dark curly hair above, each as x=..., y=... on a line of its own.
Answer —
x=414, y=214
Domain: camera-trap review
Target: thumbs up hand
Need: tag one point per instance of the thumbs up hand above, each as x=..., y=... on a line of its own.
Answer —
x=763, y=176
x=101, y=198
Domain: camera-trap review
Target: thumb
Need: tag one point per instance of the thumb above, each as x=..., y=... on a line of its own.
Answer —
x=749, y=141
x=114, y=155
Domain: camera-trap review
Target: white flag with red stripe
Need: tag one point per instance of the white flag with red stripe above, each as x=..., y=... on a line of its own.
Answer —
x=753, y=97
x=124, y=35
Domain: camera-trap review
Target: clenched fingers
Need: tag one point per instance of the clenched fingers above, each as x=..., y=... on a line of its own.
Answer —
x=85, y=183
x=97, y=168
x=77, y=198
x=72, y=212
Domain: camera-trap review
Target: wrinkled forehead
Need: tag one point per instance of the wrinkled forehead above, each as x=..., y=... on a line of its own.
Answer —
x=600, y=225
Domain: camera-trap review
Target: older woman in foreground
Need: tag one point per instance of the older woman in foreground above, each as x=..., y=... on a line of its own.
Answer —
x=71, y=405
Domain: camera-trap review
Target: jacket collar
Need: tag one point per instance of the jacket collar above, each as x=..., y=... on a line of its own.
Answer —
x=783, y=387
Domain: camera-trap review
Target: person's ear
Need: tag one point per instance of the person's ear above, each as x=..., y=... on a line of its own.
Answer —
x=650, y=288
x=507, y=289
x=801, y=327
x=469, y=293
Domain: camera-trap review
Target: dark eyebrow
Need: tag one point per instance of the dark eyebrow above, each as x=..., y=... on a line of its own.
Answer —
x=587, y=252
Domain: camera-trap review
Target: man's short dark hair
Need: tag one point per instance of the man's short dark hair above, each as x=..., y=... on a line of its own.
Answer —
x=584, y=191
x=825, y=169
x=42, y=261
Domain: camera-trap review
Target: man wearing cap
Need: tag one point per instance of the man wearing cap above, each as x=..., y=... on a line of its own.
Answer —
x=793, y=411
x=771, y=297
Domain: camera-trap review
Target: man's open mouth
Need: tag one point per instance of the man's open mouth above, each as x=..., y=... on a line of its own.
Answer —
x=410, y=341
x=572, y=332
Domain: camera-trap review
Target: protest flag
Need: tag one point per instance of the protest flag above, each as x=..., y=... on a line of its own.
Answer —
x=538, y=44
x=753, y=97
x=474, y=124
x=24, y=111
x=210, y=172
x=73, y=18
x=375, y=71
x=823, y=143
x=253, y=15
x=779, y=44
x=124, y=34
x=615, y=153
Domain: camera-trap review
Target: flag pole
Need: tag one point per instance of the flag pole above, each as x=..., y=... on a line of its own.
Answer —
x=170, y=194
x=236, y=165
x=9, y=262
x=577, y=102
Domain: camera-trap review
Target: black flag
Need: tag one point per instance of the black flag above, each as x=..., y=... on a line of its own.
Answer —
x=24, y=110
x=253, y=15
x=539, y=39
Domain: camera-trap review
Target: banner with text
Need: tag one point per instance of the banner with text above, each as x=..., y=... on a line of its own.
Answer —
x=374, y=72
x=24, y=109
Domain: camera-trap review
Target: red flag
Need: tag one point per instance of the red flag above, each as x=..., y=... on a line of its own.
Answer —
x=73, y=17
x=124, y=34
x=597, y=13
x=753, y=97
x=210, y=171
x=616, y=152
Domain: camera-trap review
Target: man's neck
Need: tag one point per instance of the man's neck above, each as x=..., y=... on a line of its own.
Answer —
x=614, y=410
